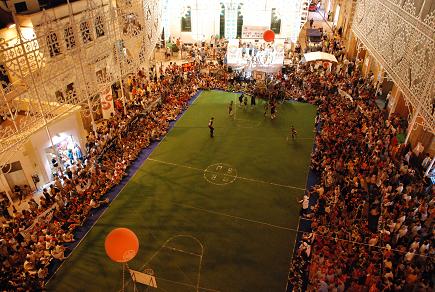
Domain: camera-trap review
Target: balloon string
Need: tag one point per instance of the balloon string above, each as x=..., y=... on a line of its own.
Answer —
x=132, y=276
x=123, y=276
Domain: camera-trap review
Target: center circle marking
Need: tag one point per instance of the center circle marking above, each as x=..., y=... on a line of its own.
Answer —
x=220, y=174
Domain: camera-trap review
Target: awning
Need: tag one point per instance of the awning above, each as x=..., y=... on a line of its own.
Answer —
x=314, y=35
x=314, y=32
x=319, y=56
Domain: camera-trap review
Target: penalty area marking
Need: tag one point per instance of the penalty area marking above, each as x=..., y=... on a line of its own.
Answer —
x=220, y=174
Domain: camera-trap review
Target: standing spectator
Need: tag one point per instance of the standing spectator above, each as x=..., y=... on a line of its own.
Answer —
x=387, y=99
x=426, y=162
x=305, y=204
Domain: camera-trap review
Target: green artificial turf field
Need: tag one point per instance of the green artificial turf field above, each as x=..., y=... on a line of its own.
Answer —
x=243, y=209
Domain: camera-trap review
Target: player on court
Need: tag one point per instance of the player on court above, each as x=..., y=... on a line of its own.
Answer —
x=293, y=133
x=230, y=109
x=210, y=126
x=245, y=101
x=241, y=98
x=272, y=111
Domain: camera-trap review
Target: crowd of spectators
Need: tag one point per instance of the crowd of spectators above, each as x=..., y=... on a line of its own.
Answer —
x=372, y=222
x=33, y=238
x=372, y=227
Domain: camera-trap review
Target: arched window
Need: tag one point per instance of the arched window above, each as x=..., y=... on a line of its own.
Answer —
x=222, y=21
x=68, y=36
x=275, y=22
x=86, y=32
x=53, y=44
x=239, y=20
x=99, y=26
x=186, y=20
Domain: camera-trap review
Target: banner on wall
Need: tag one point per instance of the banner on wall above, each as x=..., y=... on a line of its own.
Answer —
x=234, y=54
x=279, y=52
x=186, y=67
x=107, y=106
x=271, y=55
x=253, y=32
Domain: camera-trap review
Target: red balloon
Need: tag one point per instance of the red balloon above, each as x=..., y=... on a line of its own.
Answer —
x=268, y=35
x=121, y=245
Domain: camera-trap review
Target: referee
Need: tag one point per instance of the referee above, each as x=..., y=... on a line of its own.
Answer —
x=210, y=126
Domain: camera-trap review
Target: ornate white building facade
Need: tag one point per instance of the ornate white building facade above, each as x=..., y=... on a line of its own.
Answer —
x=56, y=64
x=395, y=41
x=225, y=18
x=401, y=37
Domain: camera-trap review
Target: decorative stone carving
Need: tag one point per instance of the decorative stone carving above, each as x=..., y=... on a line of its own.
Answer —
x=69, y=61
x=404, y=45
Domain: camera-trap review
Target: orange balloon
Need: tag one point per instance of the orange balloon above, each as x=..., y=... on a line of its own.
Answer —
x=121, y=245
x=268, y=35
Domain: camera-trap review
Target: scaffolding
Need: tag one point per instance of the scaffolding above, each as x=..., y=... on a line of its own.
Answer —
x=72, y=53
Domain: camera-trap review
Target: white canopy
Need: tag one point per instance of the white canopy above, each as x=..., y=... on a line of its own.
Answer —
x=319, y=56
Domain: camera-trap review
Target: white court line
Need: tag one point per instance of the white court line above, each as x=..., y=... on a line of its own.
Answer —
x=239, y=177
x=182, y=251
x=186, y=284
x=237, y=217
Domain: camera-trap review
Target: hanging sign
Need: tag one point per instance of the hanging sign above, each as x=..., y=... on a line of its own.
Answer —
x=253, y=32
x=107, y=102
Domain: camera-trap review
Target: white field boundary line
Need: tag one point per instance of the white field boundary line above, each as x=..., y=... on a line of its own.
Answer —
x=292, y=229
x=186, y=284
x=183, y=251
x=237, y=217
x=299, y=220
x=104, y=211
x=238, y=177
x=96, y=221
